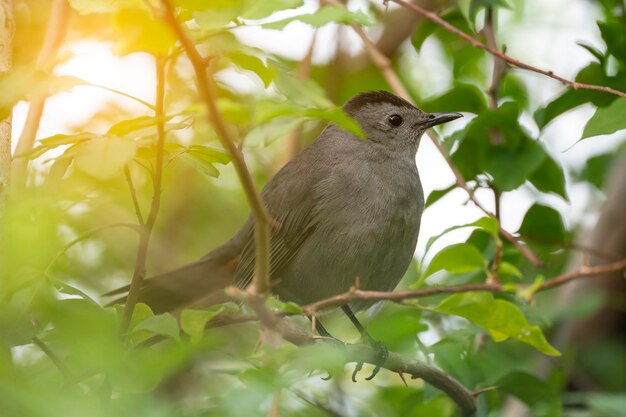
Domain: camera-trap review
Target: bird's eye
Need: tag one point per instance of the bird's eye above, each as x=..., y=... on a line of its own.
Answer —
x=395, y=120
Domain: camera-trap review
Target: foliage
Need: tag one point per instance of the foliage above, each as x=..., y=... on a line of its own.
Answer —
x=72, y=235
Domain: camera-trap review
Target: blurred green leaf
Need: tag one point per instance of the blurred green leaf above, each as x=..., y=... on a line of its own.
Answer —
x=614, y=34
x=549, y=177
x=138, y=31
x=488, y=224
x=254, y=9
x=456, y=259
x=194, y=321
x=325, y=15
x=532, y=391
x=501, y=318
x=104, y=157
x=607, y=120
x=597, y=168
x=267, y=133
x=203, y=158
x=506, y=268
x=613, y=405
x=25, y=83
x=462, y=97
x=591, y=74
x=543, y=224
x=163, y=325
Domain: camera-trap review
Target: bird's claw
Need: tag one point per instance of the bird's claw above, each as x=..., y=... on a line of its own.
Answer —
x=382, y=353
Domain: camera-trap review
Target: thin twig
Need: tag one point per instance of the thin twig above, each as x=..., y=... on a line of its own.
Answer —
x=139, y=272
x=53, y=357
x=512, y=61
x=85, y=235
x=327, y=408
x=206, y=89
x=133, y=195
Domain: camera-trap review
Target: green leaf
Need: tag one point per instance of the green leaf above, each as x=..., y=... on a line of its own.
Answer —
x=138, y=31
x=255, y=9
x=128, y=126
x=462, y=97
x=487, y=224
x=501, y=318
x=457, y=259
x=597, y=168
x=202, y=158
x=267, y=133
x=605, y=404
x=592, y=74
x=254, y=64
x=543, y=224
x=104, y=157
x=477, y=5
x=325, y=15
x=506, y=268
x=163, y=325
x=436, y=195
x=511, y=167
x=340, y=118
x=549, y=177
x=193, y=322
x=527, y=388
x=607, y=120
x=614, y=34
x=22, y=83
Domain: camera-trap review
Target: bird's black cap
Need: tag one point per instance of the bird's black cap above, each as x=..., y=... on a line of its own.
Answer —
x=374, y=97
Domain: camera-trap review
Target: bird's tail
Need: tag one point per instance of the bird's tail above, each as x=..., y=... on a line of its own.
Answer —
x=194, y=284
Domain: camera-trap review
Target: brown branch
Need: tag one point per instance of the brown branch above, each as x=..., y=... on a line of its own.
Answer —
x=139, y=272
x=511, y=61
x=206, y=89
x=384, y=64
x=55, y=33
x=399, y=296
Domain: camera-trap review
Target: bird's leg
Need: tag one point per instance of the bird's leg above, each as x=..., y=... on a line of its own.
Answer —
x=381, y=350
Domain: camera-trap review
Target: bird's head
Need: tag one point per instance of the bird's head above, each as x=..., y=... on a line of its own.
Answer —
x=392, y=121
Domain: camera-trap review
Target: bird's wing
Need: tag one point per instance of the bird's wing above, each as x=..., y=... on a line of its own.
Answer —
x=290, y=200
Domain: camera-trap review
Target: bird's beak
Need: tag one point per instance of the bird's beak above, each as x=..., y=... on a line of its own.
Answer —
x=434, y=119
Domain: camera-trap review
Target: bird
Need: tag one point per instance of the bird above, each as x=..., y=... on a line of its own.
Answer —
x=345, y=209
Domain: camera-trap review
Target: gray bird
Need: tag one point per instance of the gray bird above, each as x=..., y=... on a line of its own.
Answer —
x=345, y=209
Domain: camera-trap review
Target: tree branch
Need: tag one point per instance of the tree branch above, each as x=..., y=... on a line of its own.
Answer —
x=139, y=272
x=511, y=61
x=206, y=89
x=55, y=33
x=363, y=353
x=399, y=296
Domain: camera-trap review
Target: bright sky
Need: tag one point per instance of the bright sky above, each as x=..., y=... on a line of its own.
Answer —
x=549, y=42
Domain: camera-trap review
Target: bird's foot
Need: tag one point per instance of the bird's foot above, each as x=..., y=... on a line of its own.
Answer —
x=382, y=353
